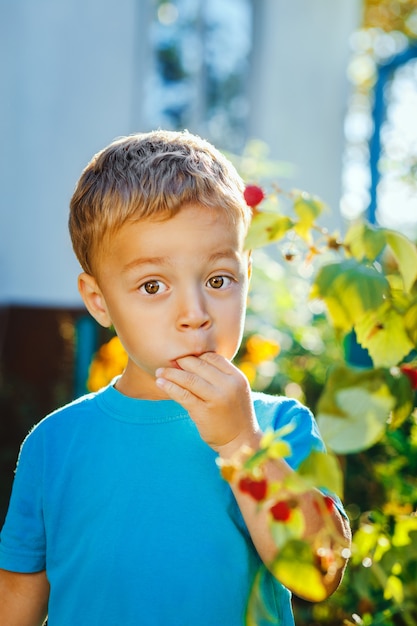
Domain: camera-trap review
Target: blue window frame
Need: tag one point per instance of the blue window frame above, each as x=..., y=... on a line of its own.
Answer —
x=385, y=75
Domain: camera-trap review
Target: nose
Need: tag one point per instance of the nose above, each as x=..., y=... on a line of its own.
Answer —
x=192, y=311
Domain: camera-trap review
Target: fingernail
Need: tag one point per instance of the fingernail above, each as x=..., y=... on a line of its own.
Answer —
x=159, y=371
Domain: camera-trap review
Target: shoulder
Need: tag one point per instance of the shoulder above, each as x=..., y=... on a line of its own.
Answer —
x=59, y=423
x=278, y=411
x=69, y=411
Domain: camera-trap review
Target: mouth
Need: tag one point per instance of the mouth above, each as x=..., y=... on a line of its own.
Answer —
x=174, y=363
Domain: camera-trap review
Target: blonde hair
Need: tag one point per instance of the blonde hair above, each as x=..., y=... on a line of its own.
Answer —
x=149, y=176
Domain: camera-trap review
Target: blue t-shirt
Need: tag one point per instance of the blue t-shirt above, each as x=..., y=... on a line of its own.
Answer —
x=123, y=504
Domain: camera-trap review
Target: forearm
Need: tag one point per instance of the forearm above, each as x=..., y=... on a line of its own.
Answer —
x=323, y=526
x=23, y=598
x=257, y=522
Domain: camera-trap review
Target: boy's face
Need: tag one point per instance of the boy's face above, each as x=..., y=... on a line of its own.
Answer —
x=171, y=289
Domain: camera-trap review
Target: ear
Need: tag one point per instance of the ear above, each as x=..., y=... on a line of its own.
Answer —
x=94, y=299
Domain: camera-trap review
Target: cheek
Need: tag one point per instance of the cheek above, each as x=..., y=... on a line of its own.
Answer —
x=140, y=326
x=235, y=317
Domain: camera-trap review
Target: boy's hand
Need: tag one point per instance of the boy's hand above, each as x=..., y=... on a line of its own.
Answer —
x=217, y=396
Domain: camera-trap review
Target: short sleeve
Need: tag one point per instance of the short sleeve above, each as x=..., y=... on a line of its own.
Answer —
x=276, y=412
x=22, y=539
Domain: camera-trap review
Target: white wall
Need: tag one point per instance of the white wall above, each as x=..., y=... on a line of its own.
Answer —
x=299, y=88
x=67, y=70
x=72, y=78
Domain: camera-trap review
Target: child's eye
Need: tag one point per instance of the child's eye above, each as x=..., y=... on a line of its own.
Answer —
x=151, y=287
x=217, y=282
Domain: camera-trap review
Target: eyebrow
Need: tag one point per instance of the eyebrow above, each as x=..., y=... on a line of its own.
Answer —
x=161, y=260
x=153, y=260
x=230, y=253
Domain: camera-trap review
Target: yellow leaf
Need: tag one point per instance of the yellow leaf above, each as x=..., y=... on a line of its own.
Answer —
x=307, y=208
x=295, y=568
x=394, y=589
x=364, y=241
x=365, y=541
x=405, y=253
x=404, y=526
x=267, y=438
x=279, y=450
x=349, y=289
x=266, y=228
x=383, y=334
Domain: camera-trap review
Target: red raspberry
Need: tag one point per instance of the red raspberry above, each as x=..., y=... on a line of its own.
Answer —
x=253, y=195
x=281, y=511
x=328, y=501
x=255, y=488
x=411, y=373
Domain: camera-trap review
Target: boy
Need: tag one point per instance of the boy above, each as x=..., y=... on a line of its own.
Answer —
x=119, y=514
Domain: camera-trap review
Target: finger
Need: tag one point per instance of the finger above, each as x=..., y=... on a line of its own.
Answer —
x=219, y=361
x=199, y=365
x=216, y=370
x=210, y=366
x=190, y=380
x=181, y=395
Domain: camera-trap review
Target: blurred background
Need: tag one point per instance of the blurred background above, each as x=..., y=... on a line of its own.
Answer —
x=75, y=75
x=322, y=93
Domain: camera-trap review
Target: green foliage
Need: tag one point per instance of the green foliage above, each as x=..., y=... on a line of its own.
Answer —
x=355, y=406
x=348, y=353
x=326, y=471
x=296, y=568
x=349, y=289
x=267, y=228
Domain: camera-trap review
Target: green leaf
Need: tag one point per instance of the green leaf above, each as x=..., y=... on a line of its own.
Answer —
x=410, y=322
x=272, y=446
x=283, y=532
x=402, y=392
x=365, y=422
x=307, y=208
x=354, y=409
x=267, y=228
x=383, y=334
x=295, y=568
x=323, y=470
x=405, y=253
x=365, y=241
x=349, y=289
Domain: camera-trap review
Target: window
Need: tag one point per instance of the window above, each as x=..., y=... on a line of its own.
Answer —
x=198, y=76
x=380, y=165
